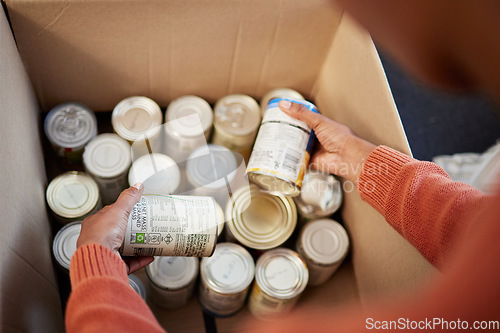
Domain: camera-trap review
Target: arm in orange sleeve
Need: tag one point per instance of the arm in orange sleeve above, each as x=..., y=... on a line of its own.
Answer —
x=102, y=299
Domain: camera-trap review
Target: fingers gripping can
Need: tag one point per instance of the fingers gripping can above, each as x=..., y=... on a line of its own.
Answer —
x=176, y=226
x=282, y=151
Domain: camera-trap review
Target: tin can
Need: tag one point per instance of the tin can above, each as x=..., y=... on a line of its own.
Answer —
x=222, y=219
x=280, y=278
x=136, y=284
x=279, y=93
x=172, y=280
x=157, y=172
x=259, y=220
x=107, y=159
x=321, y=195
x=281, y=152
x=323, y=244
x=64, y=244
x=237, y=119
x=188, y=125
x=73, y=196
x=163, y=225
x=138, y=120
x=69, y=127
x=225, y=279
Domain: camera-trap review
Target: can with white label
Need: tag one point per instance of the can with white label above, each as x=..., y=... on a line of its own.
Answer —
x=107, y=158
x=279, y=93
x=320, y=196
x=64, y=245
x=169, y=225
x=172, y=280
x=280, y=278
x=137, y=285
x=237, y=119
x=157, y=172
x=282, y=151
x=69, y=127
x=188, y=124
x=225, y=279
x=73, y=196
x=259, y=220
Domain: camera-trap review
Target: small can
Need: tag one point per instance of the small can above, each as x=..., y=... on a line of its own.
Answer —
x=69, y=127
x=259, y=220
x=138, y=120
x=136, y=284
x=280, y=278
x=282, y=151
x=237, y=119
x=73, y=196
x=225, y=279
x=188, y=124
x=64, y=245
x=320, y=196
x=107, y=158
x=279, y=93
x=172, y=280
x=157, y=172
x=168, y=225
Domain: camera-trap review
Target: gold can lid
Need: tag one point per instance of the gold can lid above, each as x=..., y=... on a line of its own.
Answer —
x=189, y=116
x=324, y=241
x=279, y=93
x=237, y=115
x=107, y=156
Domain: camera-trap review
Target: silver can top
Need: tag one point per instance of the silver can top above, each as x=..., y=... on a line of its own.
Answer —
x=157, y=172
x=189, y=116
x=324, y=241
x=279, y=93
x=173, y=273
x=238, y=115
x=211, y=166
x=107, y=156
x=137, y=285
x=64, y=245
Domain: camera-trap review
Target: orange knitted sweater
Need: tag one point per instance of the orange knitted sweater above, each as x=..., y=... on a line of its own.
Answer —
x=456, y=227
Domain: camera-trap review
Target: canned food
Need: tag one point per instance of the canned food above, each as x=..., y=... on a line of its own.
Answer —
x=172, y=280
x=137, y=285
x=323, y=244
x=221, y=220
x=107, y=158
x=281, y=152
x=64, y=245
x=73, y=196
x=321, y=195
x=69, y=127
x=259, y=220
x=157, y=172
x=163, y=225
x=188, y=125
x=237, y=119
x=279, y=93
x=280, y=277
x=225, y=279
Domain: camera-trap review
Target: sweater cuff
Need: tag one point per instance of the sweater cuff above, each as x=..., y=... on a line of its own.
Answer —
x=378, y=174
x=91, y=261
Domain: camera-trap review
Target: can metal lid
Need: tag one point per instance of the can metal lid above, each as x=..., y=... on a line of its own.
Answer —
x=64, y=244
x=220, y=213
x=281, y=273
x=260, y=220
x=229, y=270
x=173, y=272
x=273, y=183
x=189, y=116
x=137, y=285
x=136, y=117
x=157, y=172
x=211, y=166
x=279, y=93
x=324, y=241
x=72, y=194
x=238, y=115
x=70, y=125
x=107, y=156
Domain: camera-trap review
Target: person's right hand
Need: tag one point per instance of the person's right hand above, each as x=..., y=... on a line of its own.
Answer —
x=340, y=152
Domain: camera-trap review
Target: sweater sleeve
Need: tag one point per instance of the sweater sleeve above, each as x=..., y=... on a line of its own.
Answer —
x=102, y=299
x=420, y=201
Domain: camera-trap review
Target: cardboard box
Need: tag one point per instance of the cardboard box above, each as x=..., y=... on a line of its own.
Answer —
x=99, y=52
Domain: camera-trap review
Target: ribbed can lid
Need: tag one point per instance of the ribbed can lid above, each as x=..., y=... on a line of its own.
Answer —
x=324, y=241
x=211, y=166
x=189, y=116
x=107, y=156
x=238, y=115
x=173, y=272
x=64, y=245
x=279, y=93
x=159, y=173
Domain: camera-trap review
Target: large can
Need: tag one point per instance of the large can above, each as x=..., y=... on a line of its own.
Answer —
x=162, y=225
x=237, y=119
x=157, y=172
x=138, y=120
x=137, y=285
x=282, y=151
x=225, y=279
x=280, y=278
x=73, y=196
x=107, y=158
x=188, y=124
x=64, y=245
x=69, y=127
x=172, y=280
x=259, y=220
x=279, y=93
x=321, y=195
